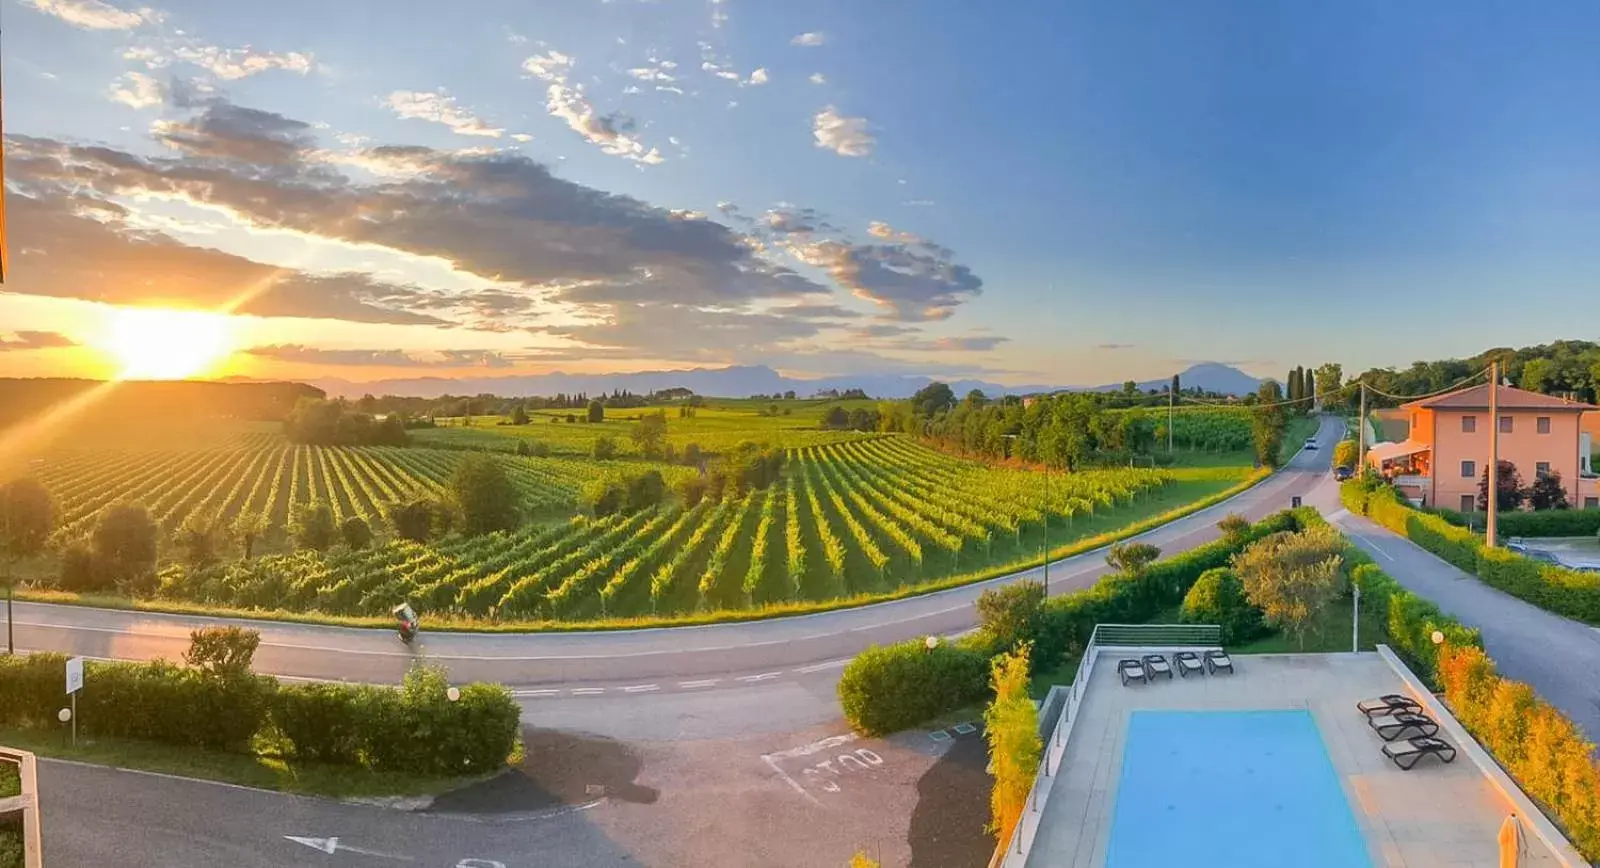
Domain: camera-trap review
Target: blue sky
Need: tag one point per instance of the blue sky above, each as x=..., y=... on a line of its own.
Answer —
x=1067, y=192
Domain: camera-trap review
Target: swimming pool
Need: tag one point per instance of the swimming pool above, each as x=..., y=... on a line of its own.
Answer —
x=1230, y=788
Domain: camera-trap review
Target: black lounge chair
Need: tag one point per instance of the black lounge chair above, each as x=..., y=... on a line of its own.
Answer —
x=1217, y=659
x=1155, y=665
x=1414, y=749
x=1388, y=704
x=1132, y=670
x=1187, y=662
x=1391, y=726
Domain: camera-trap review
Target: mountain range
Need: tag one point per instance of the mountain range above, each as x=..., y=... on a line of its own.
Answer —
x=741, y=380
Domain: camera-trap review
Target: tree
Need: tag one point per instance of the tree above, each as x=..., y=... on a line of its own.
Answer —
x=484, y=495
x=198, y=539
x=246, y=528
x=836, y=418
x=1177, y=385
x=418, y=519
x=355, y=532
x=692, y=456
x=124, y=546
x=1538, y=375
x=1234, y=527
x=645, y=490
x=933, y=399
x=1294, y=384
x=1291, y=576
x=1326, y=380
x=597, y=411
x=788, y=395
x=1011, y=726
x=650, y=434
x=312, y=526
x=519, y=416
x=1266, y=424
x=1547, y=492
x=1508, y=486
x=1308, y=386
x=1218, y=597
x=1345, y=454
x=222, y=652
x=691, y=490
x=604, y=448
x=1010, y=614
x=27, y=517
x=78, y=571
x=1131, y=558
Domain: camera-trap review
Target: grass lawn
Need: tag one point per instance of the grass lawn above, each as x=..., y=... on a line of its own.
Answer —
x=264, y=772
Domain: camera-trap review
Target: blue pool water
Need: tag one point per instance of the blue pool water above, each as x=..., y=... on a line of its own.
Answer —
x=1234, y=789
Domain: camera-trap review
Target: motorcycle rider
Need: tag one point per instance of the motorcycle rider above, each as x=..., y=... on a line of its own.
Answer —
x=408, y=622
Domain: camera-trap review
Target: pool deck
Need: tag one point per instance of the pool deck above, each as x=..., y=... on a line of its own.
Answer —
x=1433, y=816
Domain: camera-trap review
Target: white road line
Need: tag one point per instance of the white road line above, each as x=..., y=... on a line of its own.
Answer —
x=642, y=688
x=587, y=691
x=704, y=682
x=762, y=677
x=831, y=664
x=543, y=691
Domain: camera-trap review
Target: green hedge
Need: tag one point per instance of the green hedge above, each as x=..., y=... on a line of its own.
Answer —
x=1557, y=589
x=891, y=688
x=1218, y=597
x=414, y=728
x=1539, y=523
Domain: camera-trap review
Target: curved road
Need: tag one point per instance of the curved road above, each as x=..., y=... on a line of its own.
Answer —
x=586, y=664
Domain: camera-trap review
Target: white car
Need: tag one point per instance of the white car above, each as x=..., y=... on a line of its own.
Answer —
x=1311, y=442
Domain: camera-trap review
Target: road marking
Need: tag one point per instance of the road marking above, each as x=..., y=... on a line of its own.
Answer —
x=771, y=759
x=704, y=682
x=765, y=676
x=543, y=691
x=831, y=664
x=587, y=691
x=642, y=688
x=332, y=845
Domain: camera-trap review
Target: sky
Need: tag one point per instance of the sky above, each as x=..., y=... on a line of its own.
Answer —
x=1057, y=192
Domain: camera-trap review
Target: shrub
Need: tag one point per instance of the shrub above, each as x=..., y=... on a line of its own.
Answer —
x=1217, y=597
x=1131, y=557
x=312, y=526
x=225, y=652
x=355, y=532
x=484, y=495
x=1345, y=453
x=889, y=688
x=691, y=490
x=1011, y=726
x=1292, y=576
x=78, y=572
x=124, y=543
x=604, y=449
x=1554, y=522
x=1009, y=615
x=1234, y=526
x=169, y=704
x=419, y=519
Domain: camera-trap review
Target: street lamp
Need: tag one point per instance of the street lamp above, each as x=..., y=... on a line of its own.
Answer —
x=930, y=643
x=1438, y=638
x=453, y=694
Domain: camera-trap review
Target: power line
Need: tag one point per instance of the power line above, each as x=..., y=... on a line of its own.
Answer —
x=1450, y=388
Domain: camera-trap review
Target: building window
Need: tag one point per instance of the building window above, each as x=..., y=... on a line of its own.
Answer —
x=1468, y=503
x=1541, y=469
x=1469, y=470
x=1542, y=424
x=1591, y=503
x=1505, y=424
x=1469, y=424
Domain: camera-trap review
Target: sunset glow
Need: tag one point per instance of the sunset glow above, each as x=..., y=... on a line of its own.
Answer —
x=153, y=344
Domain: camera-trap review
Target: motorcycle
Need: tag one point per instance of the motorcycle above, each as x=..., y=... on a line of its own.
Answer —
x=408, y=622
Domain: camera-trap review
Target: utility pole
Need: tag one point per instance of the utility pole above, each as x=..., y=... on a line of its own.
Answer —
x=1047, y=529
x=1170, y=399
x=1494, y=454
x=1361, y=432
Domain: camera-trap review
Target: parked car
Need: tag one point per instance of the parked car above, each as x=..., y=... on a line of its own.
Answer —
x=1343, y=473
x=1540, y=555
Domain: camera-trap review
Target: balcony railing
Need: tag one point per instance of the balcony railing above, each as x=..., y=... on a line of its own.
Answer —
x=1412, y=480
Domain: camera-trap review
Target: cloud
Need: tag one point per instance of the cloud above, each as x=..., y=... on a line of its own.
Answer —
x=759, y=76
x=304, y=355
x=918, y=203
x=440, y=109
x=884, y=330
x=613, y=133
x=817, y=311
x=914, y=282
x=845, y=136
x=1114, y=346
x=817, y=78
x=809, y=40
x=880, y=229
x=230, y=64
x=92, y=14
x=137, y=90
x=226, y=131
x=30, y=340
x=650, y=73
x=685, y=332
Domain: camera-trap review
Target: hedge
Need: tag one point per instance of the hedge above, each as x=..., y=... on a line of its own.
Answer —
x=414, y=728
x=890, y=688
x=1218, y=597
x=1537, y=523
x=1557, y=589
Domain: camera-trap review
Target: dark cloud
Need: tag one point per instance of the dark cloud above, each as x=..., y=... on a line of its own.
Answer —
x=223, y=131
x=31, y=340
x=884, y=330
x=298, y=354
x=915, y=280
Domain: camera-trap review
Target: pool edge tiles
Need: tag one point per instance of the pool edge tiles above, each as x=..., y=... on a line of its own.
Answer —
x=1234, y=788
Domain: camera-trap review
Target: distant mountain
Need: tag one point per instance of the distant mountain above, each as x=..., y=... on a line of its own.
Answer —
x=739, y=381
x=1208, y=376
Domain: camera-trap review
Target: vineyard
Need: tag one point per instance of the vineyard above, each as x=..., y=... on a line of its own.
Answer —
x=845, y=519
x=262, y=473
x=1210, y=429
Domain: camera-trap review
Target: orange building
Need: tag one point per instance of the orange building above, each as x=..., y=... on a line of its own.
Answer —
x=1442, y=459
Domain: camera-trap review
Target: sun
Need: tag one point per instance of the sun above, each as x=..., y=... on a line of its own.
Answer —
x=153, y=344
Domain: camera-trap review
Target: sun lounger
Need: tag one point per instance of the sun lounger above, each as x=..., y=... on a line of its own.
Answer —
x=1217, y=659
x=1388, y=704
x=1406, y=754
x=1155, y=664
x=1391, y=726
x=1187, y=662
x=1132, y=670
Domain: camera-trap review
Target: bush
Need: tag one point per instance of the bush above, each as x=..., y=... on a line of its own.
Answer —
x=169, y=704
x=1009, y=615
x=312, y=526
x=691, y=490
x=604, y=449
x=889, y=688
x=355, y=532
x=224, y=652
x=77, y=570
x=1234, y=526
x=1011, y=726
x=1217, y=597
x=124, y=543
x=484, y=495
x=419, y=519
x=1553, y=522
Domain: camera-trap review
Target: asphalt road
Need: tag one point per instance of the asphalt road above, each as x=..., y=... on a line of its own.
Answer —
x=689, y=678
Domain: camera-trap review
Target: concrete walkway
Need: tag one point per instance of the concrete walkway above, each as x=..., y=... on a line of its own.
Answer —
x=1559, y=657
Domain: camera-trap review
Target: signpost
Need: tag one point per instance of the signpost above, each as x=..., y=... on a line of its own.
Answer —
x=74, y=684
